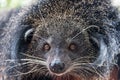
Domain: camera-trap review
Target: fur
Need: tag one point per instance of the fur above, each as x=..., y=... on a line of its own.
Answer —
x=58, y=20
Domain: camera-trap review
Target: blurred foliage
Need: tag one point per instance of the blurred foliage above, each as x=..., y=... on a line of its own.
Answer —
x=7, y=4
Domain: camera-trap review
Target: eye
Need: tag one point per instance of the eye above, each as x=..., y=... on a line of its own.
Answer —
x=28, y=35
x=46, y=47
x=72, y=47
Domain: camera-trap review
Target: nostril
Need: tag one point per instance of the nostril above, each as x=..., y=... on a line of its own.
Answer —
x=57, y=67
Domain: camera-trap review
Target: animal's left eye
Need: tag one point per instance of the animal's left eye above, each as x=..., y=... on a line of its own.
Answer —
x=72, y=47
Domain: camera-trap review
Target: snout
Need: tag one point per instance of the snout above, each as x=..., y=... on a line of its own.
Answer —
x=57, y=67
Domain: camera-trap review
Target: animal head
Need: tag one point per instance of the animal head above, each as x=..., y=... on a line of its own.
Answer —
x=68, y=37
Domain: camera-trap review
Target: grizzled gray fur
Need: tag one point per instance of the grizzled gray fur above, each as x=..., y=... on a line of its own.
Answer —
x=60, y=40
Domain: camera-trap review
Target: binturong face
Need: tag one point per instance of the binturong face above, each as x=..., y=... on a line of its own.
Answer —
x=63, y=48
x=64, y=40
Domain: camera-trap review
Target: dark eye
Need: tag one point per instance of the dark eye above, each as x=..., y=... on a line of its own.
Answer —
x=72, y=47
x=46, y=47
x=28, y=35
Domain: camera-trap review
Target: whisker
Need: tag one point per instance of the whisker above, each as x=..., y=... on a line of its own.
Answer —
x=47, y=74
x=75, y=72
x=91, y=26
x=80, y=63
x=82, y=72
x=30, y=56
x=96, y=71
x=38, y=36
x=10, y=60
x=20, y=64
x=34, y=60
x=39, y=62
x=31, y=71
x=28, y=71
x=30, y=61
x=86, y=57
x=86, y=67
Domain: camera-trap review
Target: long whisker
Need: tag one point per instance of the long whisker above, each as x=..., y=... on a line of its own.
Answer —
x=31, y=71
x=20, y=64
x=28, y=71
x=34, y=60
x=30, y=61
x=86, y=68
x=30, y=56
x=38, y=36
x=91, y=26
x=96, y=71
x=86, y=57
x=79, y=74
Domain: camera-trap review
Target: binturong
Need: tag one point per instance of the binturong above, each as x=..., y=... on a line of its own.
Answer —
x=62, y=40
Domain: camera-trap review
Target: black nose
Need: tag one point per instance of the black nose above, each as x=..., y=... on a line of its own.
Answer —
x=57, y=67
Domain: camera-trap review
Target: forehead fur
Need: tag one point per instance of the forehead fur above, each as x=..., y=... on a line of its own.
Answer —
x=60, y=28
x=91, y=12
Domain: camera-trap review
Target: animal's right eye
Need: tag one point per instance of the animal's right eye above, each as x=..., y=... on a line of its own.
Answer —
x=46, y=47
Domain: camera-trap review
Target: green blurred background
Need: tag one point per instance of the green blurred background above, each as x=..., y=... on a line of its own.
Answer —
x=7, y=4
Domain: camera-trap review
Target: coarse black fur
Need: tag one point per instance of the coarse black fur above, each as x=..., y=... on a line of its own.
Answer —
x=91, y=25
